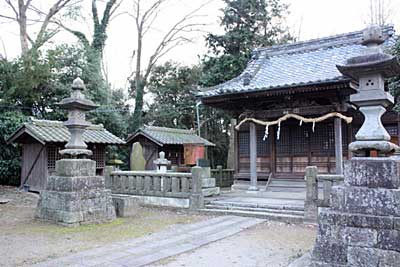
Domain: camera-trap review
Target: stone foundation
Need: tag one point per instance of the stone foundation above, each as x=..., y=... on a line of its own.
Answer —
x=72, y=200
x=362, y=226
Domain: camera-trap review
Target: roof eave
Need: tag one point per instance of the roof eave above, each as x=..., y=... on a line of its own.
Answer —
x=279, y=90
x=19, y=132
x=140, y=132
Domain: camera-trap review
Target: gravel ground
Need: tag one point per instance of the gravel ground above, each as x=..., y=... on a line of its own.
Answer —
x=24, y=240
x=269, y=244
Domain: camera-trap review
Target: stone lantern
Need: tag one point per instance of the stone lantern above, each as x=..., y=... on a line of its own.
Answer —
x=370, y=71
x=77, y=105
x=75, y=194
x=361, y=227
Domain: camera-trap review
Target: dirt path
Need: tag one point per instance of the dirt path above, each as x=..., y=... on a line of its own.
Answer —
x=25, y=241
x=268, y=244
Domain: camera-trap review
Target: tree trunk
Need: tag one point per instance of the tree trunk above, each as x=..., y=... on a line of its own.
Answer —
x=23, y=35
x=140, y=83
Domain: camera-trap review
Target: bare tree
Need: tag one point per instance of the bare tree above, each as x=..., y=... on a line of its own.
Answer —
x=25, y=14
x=380, y=11
x=176, y=35
x=94, y=49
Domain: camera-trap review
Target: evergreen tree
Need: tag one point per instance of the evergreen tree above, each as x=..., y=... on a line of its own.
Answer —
x=247, y=24
x=173, y=103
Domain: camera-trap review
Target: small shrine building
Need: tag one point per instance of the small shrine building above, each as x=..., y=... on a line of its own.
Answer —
x=182, y=147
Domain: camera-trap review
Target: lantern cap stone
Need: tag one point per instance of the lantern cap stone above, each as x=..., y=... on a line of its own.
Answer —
x=78, y=84
x=373, y=35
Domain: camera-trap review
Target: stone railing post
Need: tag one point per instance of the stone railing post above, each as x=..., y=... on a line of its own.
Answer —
x=311, y=203
x=107, y=175
x=219, y=176
x=196, y=195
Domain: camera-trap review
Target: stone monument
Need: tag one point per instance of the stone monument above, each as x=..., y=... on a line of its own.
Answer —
x=75, y=195
x=362, y=226
x=137, y=160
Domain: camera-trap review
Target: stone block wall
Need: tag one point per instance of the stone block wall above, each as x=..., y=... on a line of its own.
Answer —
x=362, y=226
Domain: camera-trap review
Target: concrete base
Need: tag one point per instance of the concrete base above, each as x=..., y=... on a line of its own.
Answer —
x=130, y=202
x=73, y=200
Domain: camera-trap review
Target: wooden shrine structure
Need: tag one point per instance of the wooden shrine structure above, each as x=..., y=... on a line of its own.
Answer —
x=182, y=147
x=298, y=78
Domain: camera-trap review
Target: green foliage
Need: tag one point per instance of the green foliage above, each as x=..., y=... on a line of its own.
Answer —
x=247, y=24
x=173, y=104
x=10, y=154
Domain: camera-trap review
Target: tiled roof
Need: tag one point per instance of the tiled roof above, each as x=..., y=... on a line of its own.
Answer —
x=45, y=131
x=297, y=64
x=170, y=136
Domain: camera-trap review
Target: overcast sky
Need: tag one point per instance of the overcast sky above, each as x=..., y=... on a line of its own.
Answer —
x=307, y=19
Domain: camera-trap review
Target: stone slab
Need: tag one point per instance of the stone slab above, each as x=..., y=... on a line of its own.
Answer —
x=4, y=201
x=328, y=216
x=372, y=172
x=74, y=184
x=213, y=191
x=75, y=167
x=145, y=250
x=157, y=201
x=371, y=257
x=125, y=206
x=364, y=200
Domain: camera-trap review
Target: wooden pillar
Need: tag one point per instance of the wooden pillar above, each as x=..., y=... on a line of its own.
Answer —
x=271, y=137
x=253, y=158
x=338, y=146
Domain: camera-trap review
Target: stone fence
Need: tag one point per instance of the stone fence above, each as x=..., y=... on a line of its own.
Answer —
x=158, y=188
x=313, y=182
x=223, y=177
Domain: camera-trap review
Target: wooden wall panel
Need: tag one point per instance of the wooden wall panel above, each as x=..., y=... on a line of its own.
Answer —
x=38, y=176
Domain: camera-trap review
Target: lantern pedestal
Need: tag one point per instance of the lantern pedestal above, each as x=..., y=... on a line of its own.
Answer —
x=75, y=195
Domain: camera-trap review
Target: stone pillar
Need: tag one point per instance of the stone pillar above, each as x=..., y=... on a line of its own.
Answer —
x=253, y=158
x=338, y=146
x=311, y=203
x=196, y=195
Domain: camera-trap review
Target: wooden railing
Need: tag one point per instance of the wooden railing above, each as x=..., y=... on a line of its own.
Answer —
x=223, y=177
x=312, y=202
x=154, y=184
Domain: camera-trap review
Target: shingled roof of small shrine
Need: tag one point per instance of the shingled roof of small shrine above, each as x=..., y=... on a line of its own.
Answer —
x=297, y=64
x=170, y=136
x=46, y=131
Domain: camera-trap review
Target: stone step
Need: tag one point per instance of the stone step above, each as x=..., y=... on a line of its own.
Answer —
x=286, y=189
x=288, y=218
x=276, y=211
x=286, y=206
